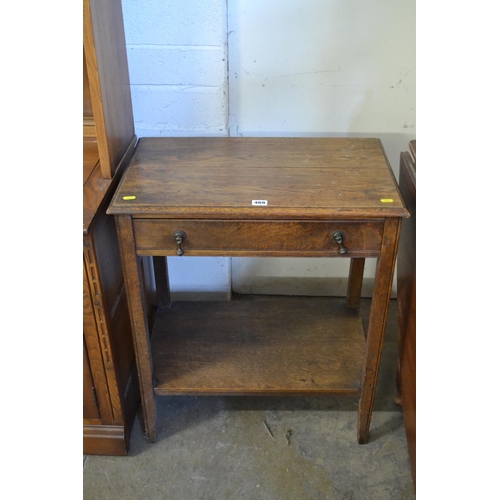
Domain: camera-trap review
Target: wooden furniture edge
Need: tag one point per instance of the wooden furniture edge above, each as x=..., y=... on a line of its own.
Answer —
x=104, y=440
x=241, y=213
x=89, y=128
x=99, y=190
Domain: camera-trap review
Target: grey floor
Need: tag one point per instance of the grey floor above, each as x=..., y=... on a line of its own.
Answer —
x=264, y=448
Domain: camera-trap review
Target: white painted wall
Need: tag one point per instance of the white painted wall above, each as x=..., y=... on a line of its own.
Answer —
x=272, y=68
x=322, y=67
x=319, y=68
x=178, y=66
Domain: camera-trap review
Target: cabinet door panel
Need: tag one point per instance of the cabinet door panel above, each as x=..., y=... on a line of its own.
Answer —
x=94, y=355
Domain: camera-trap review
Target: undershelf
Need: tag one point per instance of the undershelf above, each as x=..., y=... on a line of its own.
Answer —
x=258, y=345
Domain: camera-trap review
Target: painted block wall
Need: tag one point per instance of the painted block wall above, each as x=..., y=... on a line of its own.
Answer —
x=178, y=66
x=279, y=68
x=177, y=56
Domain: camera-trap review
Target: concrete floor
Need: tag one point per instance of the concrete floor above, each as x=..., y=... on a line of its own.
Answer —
x=237, y=448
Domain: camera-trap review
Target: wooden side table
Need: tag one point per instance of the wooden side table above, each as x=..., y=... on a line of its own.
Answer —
x=295, y=197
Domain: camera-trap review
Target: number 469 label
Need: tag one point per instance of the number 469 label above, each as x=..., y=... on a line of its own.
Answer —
x=259, y=202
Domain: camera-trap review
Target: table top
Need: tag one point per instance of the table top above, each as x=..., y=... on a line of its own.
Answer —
x=258, y=178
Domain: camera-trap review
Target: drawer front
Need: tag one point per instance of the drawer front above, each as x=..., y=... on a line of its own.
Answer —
x=271, y=238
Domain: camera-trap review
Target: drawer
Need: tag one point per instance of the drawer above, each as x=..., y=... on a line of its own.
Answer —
x=253, y=238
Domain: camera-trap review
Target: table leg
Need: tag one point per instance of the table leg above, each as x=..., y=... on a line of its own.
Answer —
x=138, y=318
x=355, y=282
x=162, y=285
x=376, y=325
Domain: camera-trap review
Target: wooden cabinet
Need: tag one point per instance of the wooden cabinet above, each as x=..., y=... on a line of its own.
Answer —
x=406, y=277
x=110, y=388
x=106, y=84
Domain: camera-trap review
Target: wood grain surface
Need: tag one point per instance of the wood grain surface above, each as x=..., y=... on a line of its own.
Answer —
x=407, y=282
x=107, y=73
x=264, y=238
x=90, y=158
x=258, y=345
x=137, y=304
x=97, y=190
x=305, y=188
x=376, y=325
x=297, y=177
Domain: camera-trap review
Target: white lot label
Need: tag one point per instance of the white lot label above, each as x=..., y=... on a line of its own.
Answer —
x=259, y=202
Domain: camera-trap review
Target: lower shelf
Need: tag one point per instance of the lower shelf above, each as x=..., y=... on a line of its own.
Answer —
x=258, y=345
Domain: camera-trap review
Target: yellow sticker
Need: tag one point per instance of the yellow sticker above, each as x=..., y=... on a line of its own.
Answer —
x=129, y=197
x=386, y=200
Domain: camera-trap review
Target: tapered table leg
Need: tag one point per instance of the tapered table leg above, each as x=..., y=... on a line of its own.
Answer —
x=376, y=325
x=162, y=285
x=355, y=282
x=138, y=319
